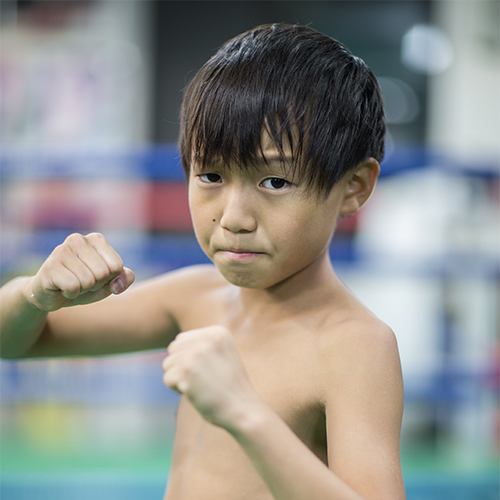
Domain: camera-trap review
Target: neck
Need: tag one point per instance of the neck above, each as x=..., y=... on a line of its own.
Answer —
x=301, y=291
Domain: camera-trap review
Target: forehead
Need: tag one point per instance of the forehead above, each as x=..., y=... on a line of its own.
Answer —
x=269, y=152
x=276, y=147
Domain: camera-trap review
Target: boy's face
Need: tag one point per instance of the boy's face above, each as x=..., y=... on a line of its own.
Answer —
x=259, y=226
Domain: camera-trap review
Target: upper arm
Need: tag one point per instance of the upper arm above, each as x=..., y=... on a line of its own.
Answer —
x=144, y=317
x=363, y=410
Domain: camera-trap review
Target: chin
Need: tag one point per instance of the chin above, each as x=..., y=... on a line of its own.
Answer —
x=246, y=279
x=243, y=280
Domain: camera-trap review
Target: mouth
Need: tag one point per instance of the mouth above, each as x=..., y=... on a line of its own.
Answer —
x=238, y=254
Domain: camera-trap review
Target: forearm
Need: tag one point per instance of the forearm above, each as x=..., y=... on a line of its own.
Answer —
x=21, y=322
x=289, y=469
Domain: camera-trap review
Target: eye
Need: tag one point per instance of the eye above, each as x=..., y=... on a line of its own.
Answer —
x=275, y=183
x=210, y=178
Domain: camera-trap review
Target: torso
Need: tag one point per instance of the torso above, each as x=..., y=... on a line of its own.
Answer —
x=283, y=361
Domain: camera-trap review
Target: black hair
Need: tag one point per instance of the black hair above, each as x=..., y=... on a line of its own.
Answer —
x=299, y=85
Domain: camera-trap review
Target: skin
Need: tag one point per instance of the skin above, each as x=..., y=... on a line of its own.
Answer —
x=291, y=389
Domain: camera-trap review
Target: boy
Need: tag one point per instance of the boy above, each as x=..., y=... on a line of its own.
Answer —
x=290, y=388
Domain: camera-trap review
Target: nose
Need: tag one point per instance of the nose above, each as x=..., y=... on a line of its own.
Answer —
x=238, y=215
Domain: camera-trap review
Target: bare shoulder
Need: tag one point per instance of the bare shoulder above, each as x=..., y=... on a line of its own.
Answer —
x=190, y=295
x=357, y=345
x=364, y=334
x=356, y=327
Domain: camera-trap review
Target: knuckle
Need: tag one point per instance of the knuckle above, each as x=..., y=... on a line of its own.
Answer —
x=100, y=274
x=167, y=380
x=221, y=330
x=215, y=338
x=186, y=372
x=219, y=334
x=87, y=282
x=96, y=237
x=164, y=364
x=173, y=347
x=73, y=239
x=72, y=287
x=61, y=250
x=116, y=265
x=199, y=351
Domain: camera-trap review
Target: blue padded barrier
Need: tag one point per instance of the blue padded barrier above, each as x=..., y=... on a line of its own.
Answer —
x=162, y=162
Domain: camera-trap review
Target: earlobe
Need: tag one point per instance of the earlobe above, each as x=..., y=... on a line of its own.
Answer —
x=360, y=185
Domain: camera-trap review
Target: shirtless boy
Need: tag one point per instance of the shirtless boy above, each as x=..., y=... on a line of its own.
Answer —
x=291, y=389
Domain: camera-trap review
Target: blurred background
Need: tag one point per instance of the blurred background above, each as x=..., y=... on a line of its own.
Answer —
x=89, y=97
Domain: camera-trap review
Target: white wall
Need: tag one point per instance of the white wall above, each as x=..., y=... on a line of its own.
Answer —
x=464, y=100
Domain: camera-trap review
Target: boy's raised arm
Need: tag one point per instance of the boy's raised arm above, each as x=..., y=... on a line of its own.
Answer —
x=36, y=313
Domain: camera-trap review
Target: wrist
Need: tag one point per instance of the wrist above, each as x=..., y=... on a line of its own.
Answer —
x=248, y=419
x=29, y=297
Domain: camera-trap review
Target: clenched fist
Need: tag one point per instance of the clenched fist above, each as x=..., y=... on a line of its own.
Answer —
x=205, y=366
x=82, y=270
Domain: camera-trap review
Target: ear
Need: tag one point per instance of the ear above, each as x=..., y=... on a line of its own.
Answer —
x=359, y=186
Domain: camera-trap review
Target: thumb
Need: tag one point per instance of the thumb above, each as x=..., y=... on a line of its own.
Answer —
x=122, y=281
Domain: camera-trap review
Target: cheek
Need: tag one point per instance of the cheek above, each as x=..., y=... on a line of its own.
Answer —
x=201, y=218
x=202, y=231
x=314, y=236
x=314, y=223
x=304, y=234
x=202, y=207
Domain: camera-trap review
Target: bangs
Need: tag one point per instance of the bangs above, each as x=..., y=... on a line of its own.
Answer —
x=233, y=121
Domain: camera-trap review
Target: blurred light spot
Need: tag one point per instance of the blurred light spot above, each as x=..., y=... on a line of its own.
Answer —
x=426, y=49
x=400, y=101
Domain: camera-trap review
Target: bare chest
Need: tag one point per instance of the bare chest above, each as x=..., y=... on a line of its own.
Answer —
x=207, y=461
